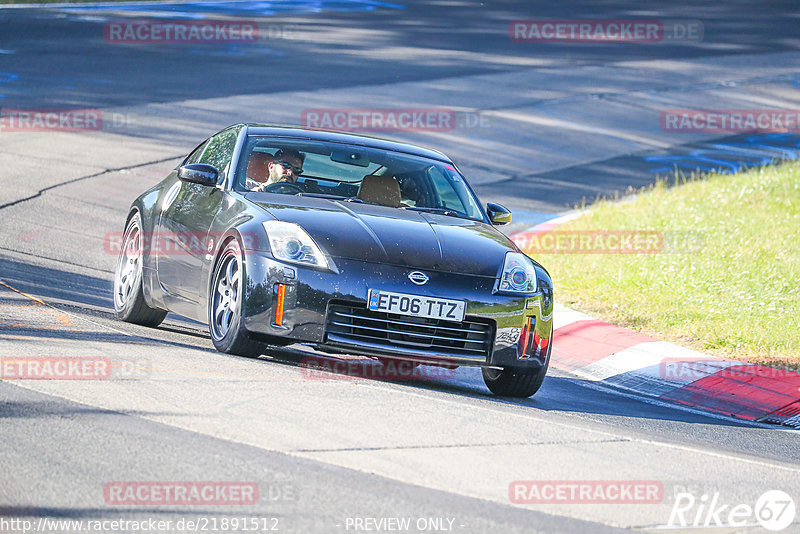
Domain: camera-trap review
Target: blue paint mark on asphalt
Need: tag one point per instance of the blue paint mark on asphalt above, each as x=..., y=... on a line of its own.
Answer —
x=689, y=162
x=780, y=151
x=237, y=50
x=731, y=157
x=6, y=77
x=70, y=79
x=243, y=8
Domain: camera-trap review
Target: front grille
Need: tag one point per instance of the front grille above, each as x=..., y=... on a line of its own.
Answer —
x=356, y=325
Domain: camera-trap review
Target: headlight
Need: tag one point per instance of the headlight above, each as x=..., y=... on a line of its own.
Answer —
x=519, y=275
x=289, y=242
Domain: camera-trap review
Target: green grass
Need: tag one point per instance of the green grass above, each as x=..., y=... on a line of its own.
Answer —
x=728, y=280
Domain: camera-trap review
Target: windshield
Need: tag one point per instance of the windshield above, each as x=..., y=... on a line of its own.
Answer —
x=356, y=174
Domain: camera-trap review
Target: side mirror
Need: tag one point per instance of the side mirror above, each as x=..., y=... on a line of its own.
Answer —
x=199, y=173
x=498, y=214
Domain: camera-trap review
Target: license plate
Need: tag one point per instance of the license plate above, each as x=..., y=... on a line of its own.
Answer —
x=417, y=306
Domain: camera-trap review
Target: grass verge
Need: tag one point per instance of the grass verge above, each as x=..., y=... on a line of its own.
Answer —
x=727, y=280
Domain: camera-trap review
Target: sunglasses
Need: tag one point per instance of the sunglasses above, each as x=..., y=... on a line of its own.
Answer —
x=296, y=170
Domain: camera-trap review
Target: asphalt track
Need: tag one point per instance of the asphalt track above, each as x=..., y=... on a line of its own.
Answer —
x=541, y=127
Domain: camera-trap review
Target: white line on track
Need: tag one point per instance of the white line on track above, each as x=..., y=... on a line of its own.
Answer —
x=606, y=433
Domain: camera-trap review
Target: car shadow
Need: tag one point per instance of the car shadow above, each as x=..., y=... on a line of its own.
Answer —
x=92, y=295
x=558, y=393
x=83, y=295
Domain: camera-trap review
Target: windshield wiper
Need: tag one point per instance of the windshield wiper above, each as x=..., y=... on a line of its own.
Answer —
x=331, y=197
x=322, y=195
x=439, y=211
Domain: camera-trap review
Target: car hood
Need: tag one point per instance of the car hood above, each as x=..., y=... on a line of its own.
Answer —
x=380, y=234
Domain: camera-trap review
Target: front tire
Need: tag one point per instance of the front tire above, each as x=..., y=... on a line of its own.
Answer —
x=129, y=302
x=225, y=305
x=507, y=383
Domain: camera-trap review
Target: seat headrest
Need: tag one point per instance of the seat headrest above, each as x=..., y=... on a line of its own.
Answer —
x=257, y=169
x=383, y=190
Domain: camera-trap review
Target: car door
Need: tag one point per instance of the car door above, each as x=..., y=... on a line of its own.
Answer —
x=183, y=226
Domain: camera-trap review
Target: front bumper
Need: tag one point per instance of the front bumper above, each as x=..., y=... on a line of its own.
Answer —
x=518, y=328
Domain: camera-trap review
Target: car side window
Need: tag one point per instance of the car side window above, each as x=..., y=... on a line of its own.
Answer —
x=196, y=153
x=219, y=150
x=447, y=195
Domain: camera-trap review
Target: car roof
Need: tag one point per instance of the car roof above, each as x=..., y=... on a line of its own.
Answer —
x=343, y=137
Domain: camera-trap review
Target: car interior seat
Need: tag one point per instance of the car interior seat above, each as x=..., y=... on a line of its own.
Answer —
x=257, y=169
x=383, y=190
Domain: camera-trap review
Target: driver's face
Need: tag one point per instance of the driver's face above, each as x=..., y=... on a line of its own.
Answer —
x=283, y=173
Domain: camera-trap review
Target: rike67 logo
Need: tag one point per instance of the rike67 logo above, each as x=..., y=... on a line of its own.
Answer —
x=774, y=510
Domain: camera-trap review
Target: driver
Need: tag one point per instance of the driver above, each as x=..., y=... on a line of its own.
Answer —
x=286, y=166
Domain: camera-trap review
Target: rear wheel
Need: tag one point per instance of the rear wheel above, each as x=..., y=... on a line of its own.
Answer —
x=508, y=383
x=129, y=302
x=225, y=305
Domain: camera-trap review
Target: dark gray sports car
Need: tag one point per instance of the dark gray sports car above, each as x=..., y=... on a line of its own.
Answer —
x=352, y=244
